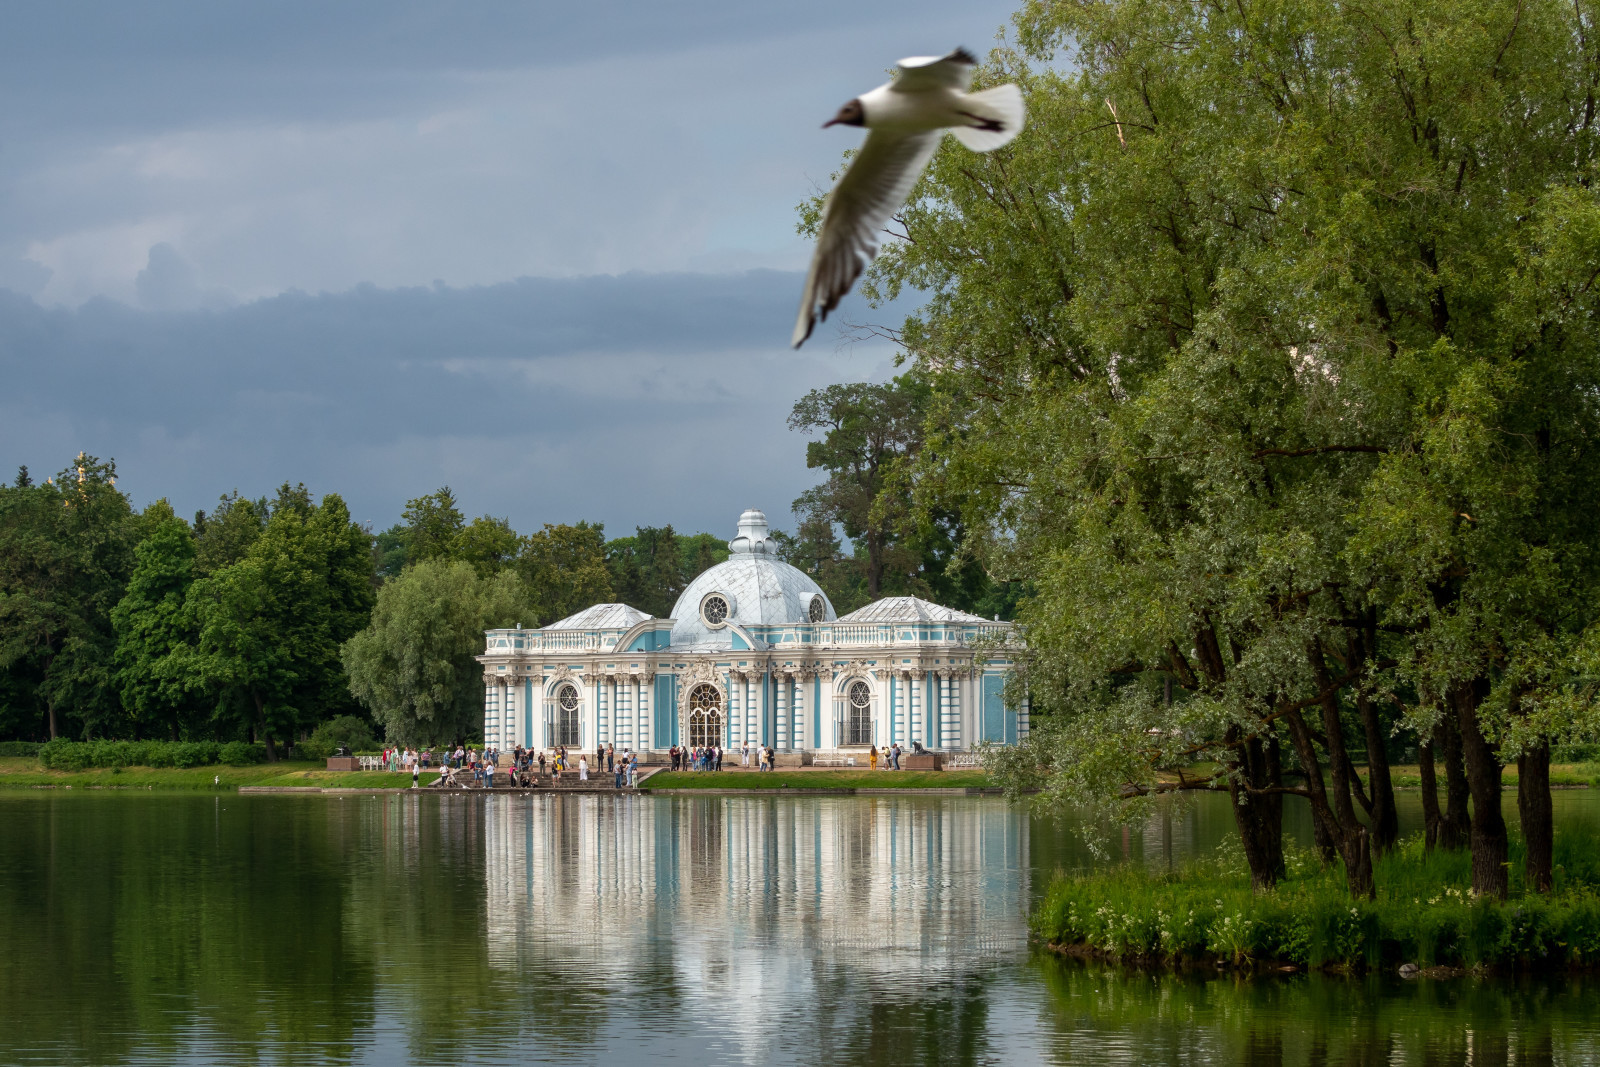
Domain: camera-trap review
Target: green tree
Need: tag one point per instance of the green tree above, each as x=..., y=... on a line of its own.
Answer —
x=867, y=430
x=648, y=569
x=565, y=568
x=271, y=625
x=66, y=550
x=432, y=525
x=413, y=666
x=226, y=534
x=489, y=544
x=153, y=629
x=1270, y=352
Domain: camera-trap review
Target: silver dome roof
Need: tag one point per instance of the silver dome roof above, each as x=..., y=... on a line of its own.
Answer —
x=760, y=588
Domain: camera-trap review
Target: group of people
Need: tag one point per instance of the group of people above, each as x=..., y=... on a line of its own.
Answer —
x=709, y=757
x=891, y=756
x=398, y=758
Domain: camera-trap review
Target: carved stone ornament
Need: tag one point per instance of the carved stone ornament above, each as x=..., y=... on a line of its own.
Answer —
x=857, y=668
x=565, y=674
x=699, y=671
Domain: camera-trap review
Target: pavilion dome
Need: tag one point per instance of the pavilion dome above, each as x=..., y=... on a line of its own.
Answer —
x=753, y=587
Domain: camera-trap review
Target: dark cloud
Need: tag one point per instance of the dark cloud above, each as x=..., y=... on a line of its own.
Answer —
x=632, y=399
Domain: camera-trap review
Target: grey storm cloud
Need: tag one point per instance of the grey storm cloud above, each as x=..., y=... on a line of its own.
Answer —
x=177, y=177
x=635, y=399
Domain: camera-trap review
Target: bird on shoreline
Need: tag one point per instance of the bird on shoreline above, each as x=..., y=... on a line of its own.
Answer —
x=905, y=121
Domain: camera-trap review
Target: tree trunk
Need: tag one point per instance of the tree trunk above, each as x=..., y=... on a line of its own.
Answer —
x=261, y=716
x=1260, y=816
x=50, y=708
x=1538, y=824
x=1489, y=875
x=1350, y=840
x=1355, y=843
x=1430, y=796
x=1453, y=827
x=1385, y=818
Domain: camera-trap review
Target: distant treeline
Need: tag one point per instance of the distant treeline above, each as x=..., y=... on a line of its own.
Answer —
x=278, y=619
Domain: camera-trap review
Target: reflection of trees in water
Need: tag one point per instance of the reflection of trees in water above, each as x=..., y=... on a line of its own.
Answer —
x=133, y=919
x=1112, y=1016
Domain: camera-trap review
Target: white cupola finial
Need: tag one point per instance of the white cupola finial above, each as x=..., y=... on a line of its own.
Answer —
x=752, y=537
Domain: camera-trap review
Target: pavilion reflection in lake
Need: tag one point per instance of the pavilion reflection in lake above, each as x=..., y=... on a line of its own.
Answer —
x=897, y=884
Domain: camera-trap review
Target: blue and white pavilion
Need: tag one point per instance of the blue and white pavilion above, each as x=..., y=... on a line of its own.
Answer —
x=753, y=653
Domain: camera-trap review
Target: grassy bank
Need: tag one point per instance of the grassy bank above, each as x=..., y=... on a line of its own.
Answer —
x=1424, y=915
x=825, y=779
x=1568, y=775
x=24, y=773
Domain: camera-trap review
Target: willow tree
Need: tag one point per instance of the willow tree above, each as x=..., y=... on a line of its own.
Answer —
x=1274, y=341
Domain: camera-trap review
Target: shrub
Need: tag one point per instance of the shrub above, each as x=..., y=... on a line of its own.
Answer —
x=346, y=730
x=19, y=748
x=1424, y=913
x=243, y=753
x=64, y=755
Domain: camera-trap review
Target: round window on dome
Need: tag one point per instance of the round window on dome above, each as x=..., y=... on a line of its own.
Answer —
x=818, y=611
x=714, y=610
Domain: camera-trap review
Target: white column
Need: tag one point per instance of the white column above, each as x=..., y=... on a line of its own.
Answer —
x=645, y=704
x=751, y=708
x=631, y=739
x=589, y=721
x=1024, y=717
x=944, y=709
x=914, y=691
x=508, y=714
x=490, y=697
x=782, y=689
x=802, y=739
x=735, y=710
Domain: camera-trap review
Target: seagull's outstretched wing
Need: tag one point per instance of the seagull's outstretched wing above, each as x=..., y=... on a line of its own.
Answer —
x=871, y=191
x=918, y=73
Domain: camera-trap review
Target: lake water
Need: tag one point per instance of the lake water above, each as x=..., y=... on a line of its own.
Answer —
x=695, y=930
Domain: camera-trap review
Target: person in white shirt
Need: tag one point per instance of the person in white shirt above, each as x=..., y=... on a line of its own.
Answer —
x=583, y=768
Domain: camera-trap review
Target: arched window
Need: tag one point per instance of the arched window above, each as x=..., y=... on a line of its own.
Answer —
x=705, y=715
x=567, y=715
x=818, y=611
x=858, y=715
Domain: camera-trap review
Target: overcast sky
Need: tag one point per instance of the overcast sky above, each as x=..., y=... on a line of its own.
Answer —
x=544, y=253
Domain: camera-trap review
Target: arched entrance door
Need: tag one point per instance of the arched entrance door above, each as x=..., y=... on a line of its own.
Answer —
x=705, y=715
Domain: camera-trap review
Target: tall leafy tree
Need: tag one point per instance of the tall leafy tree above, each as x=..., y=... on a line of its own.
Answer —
x=565, y=568
x=153, y=629
x=271, y=625
x=866, y=431
x=225, y=534
x=432, y=525
x=489, y=544
x=413, y=665
x=66, y=550
x=1272, y=346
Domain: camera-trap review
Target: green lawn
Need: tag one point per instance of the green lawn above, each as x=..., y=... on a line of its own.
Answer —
x=23, y=773
x=817, y=780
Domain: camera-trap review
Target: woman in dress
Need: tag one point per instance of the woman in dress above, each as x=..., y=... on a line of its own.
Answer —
x=583, y=768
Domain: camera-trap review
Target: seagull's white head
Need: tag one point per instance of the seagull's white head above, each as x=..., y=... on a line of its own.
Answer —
x=852, y=114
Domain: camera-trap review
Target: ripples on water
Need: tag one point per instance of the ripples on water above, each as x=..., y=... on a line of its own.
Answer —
x=697, y=930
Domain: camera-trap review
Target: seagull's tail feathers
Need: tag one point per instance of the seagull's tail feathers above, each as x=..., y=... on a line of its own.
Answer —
x=998, y=114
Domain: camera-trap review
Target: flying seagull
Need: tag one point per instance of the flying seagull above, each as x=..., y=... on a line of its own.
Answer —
x=905, y=120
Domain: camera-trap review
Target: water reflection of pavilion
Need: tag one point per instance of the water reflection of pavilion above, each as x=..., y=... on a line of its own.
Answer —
x=707, y=885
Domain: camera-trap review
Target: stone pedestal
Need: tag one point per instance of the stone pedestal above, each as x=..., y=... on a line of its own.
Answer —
x=344, y=763
x=928, y=762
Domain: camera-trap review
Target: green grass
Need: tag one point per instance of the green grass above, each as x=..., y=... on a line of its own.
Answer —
x=26, y=773
x=1562, y=774
x=817, y=780
x=1424, y=914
